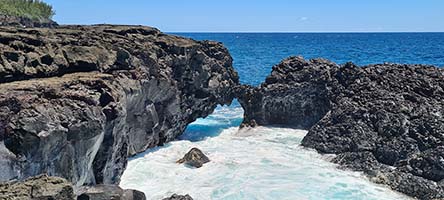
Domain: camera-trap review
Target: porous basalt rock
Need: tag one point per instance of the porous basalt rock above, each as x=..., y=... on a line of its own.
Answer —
x=44, y=187
x=40, y=187
x=77, y=101
x=107, y=192
x=386, y=119
x=295, y=94
x=195, y=158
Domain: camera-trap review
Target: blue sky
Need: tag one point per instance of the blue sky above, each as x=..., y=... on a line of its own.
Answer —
x=259, y=15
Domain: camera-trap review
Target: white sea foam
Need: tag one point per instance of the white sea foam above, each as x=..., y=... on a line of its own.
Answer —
x=221, y=116
x=260, y=163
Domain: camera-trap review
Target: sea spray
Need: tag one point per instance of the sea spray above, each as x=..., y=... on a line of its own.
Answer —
x=259, y=163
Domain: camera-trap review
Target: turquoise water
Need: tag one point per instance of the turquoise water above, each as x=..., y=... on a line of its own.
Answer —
x=259, y=163
x=269, y=162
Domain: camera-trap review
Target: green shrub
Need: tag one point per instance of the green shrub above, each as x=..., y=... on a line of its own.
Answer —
x=34, y=9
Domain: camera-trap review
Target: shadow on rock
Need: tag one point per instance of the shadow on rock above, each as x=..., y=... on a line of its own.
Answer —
x=195, y=158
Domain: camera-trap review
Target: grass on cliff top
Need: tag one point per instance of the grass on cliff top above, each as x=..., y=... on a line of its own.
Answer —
x=33, y=9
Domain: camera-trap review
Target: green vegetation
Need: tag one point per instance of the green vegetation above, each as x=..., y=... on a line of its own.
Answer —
x=34, y=9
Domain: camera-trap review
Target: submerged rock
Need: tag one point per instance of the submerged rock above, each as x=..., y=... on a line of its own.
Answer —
x=179, y=197
x=195, y=157
x=40, y=187
x=386, y=120
x=77, y=101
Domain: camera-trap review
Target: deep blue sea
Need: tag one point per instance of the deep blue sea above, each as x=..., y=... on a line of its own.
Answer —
x=255, y=53
x=269, y=162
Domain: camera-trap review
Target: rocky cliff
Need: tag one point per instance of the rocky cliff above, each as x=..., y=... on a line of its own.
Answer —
x=386, y=120
x=14, y=21
x=77, y=101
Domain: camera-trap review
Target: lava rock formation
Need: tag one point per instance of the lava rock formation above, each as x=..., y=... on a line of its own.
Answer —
x=386, y=119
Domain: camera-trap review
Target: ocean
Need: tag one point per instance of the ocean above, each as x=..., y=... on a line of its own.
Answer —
x=269, y=162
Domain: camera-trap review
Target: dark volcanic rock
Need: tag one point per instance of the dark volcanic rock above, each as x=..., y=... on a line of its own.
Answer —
x=296, y=94
x=7, y=20
x=107, y=192
x=179, y=197
x=44, y=187
x=195, y=157
x=386, y=118
x=77, y=101
x=40, y=187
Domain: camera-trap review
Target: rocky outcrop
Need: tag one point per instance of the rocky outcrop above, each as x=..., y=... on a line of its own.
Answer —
x=107, y=192
x=40, y=187
x=295, y=94
x=8, y=20
x=45, y=187
x=77, y=101
x=179, y=197
x=195, y=158
x=386, y=120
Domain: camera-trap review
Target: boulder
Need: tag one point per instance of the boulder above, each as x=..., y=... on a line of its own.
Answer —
x=195, y=158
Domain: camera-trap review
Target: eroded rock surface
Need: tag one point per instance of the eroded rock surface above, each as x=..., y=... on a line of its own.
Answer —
x=40, y=187
x=386, y=120
x=107, y=192
x=44, y=187
x=76, y=101
x=195, y=158
x=295, y=94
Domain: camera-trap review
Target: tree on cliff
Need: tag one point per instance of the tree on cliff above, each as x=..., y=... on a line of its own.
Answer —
x=33, y=9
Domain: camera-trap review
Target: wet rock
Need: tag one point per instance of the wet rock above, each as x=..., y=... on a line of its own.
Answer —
x=250, y=124
x=195, y=157
x=77, y=101
x=40, y=187
x=407, y=183
x=106, y=192
x=359, y=161
x=179, y=197
x=384, y=119
x=428, y=164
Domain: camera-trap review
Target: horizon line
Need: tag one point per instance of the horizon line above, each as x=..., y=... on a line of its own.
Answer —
x=303, y=31
x=175, y=31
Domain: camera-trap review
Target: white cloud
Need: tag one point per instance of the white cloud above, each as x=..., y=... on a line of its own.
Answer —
x=303, y=19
